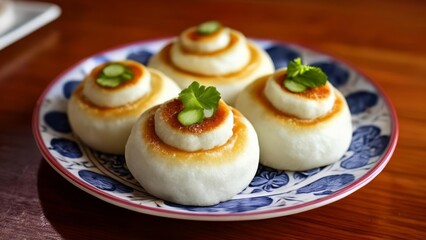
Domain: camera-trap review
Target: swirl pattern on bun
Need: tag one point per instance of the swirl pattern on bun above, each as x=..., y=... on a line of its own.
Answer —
x=215, y=131
x=224, y=59
x=297, y=131
x=102, y=117
x=201, y=164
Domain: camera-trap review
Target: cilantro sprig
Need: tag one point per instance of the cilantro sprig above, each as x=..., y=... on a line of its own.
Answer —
x=199, y=102
x=114, y=74
x=300, y=77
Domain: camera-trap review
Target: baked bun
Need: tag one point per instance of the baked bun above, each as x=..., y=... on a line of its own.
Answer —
x=201, y=164
x=102, y=117
x=224, y=59
x=297, y=131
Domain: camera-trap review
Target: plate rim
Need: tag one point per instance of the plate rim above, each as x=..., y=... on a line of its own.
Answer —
x=260, y=214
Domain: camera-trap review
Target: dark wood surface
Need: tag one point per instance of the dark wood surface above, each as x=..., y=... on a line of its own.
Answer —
x=384, y=39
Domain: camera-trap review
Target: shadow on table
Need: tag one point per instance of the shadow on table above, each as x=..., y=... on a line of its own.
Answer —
x=75, y=214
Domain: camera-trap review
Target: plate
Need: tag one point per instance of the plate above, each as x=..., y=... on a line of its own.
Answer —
x=271, y=193
x=28, y=17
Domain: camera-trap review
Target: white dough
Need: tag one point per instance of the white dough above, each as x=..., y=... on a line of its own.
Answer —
x=295, y=104
x=107, y=129
x=210, y=44
x=199, y=178
x=190, y=142
x=232, y=59
x=228, y=85
x=224, y=59
x=294, y=144
x=129, y=93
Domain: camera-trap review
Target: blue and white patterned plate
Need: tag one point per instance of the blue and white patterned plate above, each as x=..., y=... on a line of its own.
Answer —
x=271, y=193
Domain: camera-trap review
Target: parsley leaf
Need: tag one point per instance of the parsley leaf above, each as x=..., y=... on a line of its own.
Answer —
x=294, y=67
x=197, y=98
x=307, y=76
x=314, y=77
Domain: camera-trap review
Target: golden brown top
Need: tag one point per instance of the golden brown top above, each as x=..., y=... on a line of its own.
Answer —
x=135, y=67
x=171, y=109
x=194, y=36
x=321, y=92
x=257, y=93
x=133, y=108
x=247, y=70
x=217, y=155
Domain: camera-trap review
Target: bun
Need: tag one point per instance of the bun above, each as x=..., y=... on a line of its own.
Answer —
x=102, y=118
x=202, y=177
x=225, y=59
x=289, y=142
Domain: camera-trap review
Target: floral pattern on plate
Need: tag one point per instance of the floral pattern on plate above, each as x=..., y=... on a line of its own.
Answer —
x=271, y=193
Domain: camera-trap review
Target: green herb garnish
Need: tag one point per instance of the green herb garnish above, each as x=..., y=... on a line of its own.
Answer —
x=300, y=77
x=208, y=28
x=114, y=74
x=197, y=101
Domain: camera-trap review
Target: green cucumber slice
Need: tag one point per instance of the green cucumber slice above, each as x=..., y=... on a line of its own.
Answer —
x=127, y=75
x=208, y=27
x=108, y=82
x=114, y=70
x=294, y=86
x=190, y=116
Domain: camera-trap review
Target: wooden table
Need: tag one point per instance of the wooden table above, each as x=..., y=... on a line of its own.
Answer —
x=384, y=39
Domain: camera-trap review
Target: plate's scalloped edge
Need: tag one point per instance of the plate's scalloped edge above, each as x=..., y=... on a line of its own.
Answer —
x=345, y=191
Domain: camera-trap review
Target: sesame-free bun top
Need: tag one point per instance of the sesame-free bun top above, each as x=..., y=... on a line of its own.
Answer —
x=214, y=131
x=224, y=59
x=311, y=104
x=217, y=168
x=103, y=117
x=310, y=133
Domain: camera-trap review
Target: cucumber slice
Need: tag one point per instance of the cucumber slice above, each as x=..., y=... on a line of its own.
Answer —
x=114, y=70
x=208, y=112
x=208, y=27
x=190, y=116
x=294, y=86
x=127, y=75
x=108, y=82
